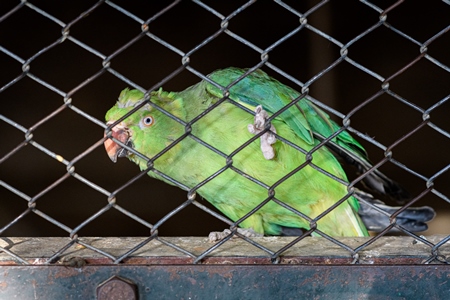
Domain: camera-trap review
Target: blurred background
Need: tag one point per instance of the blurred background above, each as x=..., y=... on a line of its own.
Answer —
x=33, y=30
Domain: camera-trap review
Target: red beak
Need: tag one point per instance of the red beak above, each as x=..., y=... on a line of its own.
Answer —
x=121, y=133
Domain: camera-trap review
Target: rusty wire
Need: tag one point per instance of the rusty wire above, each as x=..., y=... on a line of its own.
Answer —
x=185, y=57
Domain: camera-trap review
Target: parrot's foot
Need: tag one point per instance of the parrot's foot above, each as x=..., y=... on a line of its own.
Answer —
x=220, y=235
x=268, y=138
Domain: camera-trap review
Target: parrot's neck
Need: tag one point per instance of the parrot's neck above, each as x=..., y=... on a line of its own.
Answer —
x=195, y=100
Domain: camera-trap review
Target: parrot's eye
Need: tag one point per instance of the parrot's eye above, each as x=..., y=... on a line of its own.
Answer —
x=147, y=121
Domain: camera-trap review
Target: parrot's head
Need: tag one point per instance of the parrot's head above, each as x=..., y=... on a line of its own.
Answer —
x=147, y=130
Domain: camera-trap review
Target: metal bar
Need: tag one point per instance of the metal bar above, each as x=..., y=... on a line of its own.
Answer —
x=232, y=282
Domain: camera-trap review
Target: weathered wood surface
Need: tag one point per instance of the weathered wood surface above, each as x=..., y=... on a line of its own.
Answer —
x=311, y=250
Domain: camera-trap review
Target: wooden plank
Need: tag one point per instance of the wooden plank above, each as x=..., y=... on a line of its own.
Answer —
x=392, y=249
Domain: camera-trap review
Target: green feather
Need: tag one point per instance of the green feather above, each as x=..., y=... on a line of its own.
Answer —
x=225, y=128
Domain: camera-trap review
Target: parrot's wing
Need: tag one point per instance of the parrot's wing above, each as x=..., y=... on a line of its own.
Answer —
x=375, y=180
x=259, y=89
x=304, y=117
x=307, y=120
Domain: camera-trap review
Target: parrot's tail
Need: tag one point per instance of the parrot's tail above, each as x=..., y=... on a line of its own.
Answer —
x=376, y=214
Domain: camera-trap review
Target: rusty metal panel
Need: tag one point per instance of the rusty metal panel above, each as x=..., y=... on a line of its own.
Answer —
x=227, y=282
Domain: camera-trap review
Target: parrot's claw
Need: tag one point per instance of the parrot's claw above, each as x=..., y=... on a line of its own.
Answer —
x=216, y=236
x=268, y=138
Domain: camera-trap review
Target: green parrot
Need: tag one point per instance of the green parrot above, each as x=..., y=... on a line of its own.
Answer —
x=195, y=137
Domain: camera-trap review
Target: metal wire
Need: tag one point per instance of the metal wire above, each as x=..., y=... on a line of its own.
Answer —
x=223, y=28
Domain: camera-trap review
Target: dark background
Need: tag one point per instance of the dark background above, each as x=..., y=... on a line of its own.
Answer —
x=146, y=62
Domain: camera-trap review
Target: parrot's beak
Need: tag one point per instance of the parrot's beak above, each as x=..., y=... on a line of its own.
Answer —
x=121, y=133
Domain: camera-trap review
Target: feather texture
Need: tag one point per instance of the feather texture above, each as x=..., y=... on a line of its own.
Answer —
x=223, y=130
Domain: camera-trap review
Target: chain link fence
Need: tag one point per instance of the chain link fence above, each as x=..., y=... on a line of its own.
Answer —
x=383, y=65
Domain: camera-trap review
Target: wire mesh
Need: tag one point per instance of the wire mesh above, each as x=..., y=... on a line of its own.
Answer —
x=155, y=28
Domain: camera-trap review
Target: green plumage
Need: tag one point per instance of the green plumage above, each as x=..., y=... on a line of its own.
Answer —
x=225, y=128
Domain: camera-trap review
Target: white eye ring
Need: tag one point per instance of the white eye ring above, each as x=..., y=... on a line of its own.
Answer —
x=147, y=121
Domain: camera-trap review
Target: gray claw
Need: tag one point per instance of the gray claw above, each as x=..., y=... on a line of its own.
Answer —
x=216, y=236
x=268, y=138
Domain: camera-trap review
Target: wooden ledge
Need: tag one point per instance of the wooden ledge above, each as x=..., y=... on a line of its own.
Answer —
x=311, y=250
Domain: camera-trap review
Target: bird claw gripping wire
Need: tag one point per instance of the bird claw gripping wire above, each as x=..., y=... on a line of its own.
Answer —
x=268, y=138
